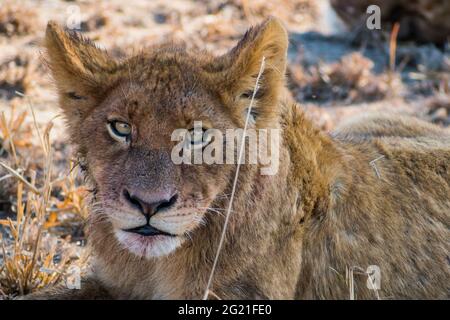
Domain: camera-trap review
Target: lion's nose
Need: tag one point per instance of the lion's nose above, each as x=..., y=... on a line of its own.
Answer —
x=150, y=206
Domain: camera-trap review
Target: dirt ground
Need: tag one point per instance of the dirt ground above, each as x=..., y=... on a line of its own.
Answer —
x=331, y=75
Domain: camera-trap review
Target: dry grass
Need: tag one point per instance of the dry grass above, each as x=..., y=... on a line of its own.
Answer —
x=16, y=19
x=350, y=273
x=32, y=257
x=439, y=109
x=94, y=22
x=17, y=74
x=350, y=80
x=296, y=12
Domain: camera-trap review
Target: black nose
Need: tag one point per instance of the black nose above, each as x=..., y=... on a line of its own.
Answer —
x=149, y=207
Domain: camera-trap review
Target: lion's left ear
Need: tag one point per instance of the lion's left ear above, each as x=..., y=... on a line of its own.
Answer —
x=240, y=67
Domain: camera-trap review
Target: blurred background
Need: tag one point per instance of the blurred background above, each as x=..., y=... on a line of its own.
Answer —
x=342, y=61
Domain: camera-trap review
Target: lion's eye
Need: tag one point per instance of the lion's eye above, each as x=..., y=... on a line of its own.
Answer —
x=198, y=138
x=119, y=130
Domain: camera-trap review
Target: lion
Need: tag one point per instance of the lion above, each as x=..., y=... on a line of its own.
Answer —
x=370, y=199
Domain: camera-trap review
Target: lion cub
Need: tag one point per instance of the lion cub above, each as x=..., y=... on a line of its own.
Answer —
x=372, y=196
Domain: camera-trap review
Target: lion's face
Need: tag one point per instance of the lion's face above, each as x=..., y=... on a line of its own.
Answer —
x=122, y=117
x=153, y=204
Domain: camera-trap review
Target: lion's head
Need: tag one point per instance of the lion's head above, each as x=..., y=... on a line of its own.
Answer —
x=122, y=114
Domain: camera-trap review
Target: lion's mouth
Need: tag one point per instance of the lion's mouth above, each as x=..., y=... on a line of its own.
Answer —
x=149, y=231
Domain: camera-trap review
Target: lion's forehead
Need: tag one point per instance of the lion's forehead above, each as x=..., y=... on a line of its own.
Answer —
x=165, y=68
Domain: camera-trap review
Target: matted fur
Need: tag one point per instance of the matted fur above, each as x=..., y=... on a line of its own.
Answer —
x=292, y=235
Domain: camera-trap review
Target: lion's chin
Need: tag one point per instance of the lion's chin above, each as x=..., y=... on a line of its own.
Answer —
x=148, y=247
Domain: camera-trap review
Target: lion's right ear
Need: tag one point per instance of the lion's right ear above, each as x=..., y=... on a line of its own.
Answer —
x=81, y=70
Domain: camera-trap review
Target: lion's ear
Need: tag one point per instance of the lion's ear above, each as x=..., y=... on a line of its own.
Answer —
x=242, y=64
x=80, y=69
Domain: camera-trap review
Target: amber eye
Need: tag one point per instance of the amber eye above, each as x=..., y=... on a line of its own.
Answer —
x=119, y=131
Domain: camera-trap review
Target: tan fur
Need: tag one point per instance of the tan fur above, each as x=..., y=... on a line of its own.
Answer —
x=291, y=235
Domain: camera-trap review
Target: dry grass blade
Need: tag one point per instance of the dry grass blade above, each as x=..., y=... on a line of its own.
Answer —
x=393, y=46
x=8, y=136
x=355, y=270
x=31, y=258
x=230, y=205
x=20, y=177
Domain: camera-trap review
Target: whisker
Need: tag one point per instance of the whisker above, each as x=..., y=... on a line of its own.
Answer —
x=218, y=212
x=188, y=235
x=225, y=195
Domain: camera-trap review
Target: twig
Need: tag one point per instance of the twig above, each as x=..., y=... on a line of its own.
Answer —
x=20, y=177
x=10, y=135
x=7, y=176
x=351, y=282
x=30, y=104
x=214, y=295
x=374, y=166
x=393, y=46
x=222, y=237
